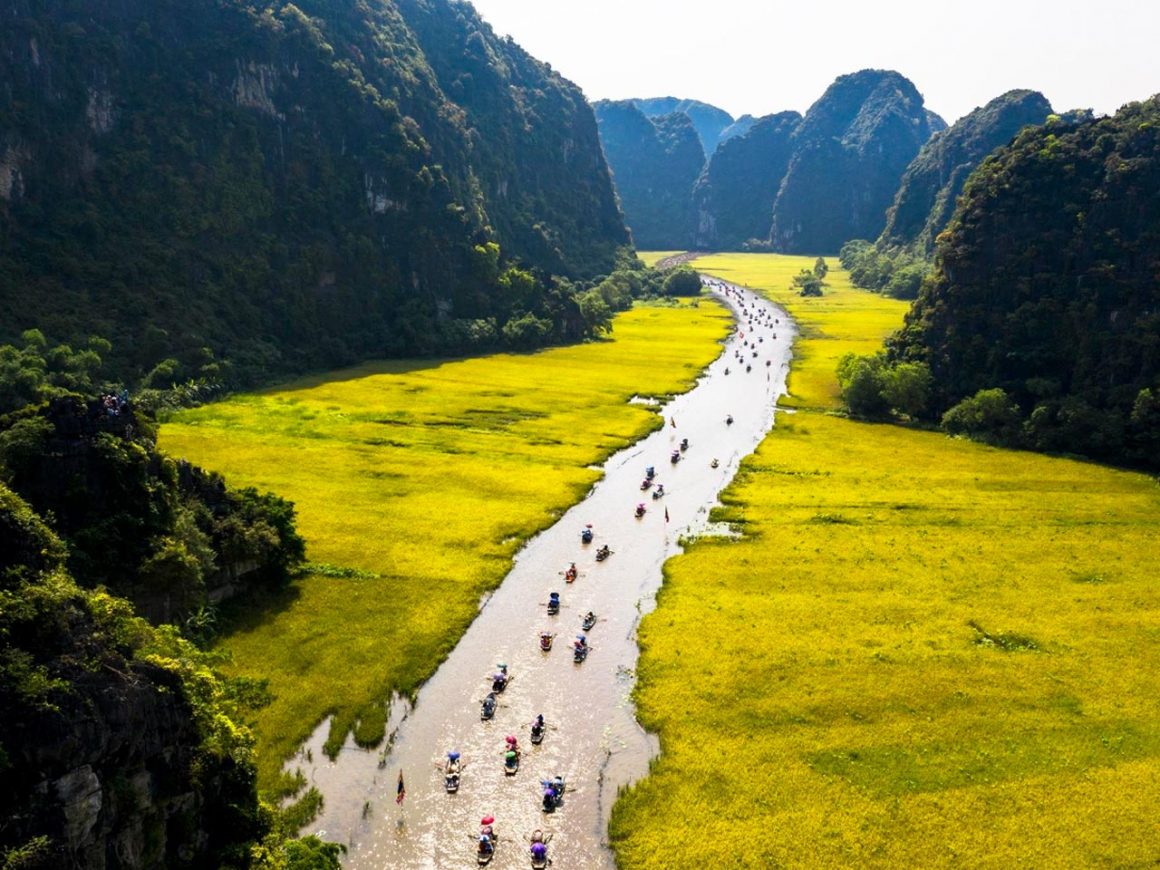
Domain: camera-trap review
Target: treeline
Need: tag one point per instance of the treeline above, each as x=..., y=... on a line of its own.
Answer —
x=898, y=273
x=876, y=388
x=531, y=310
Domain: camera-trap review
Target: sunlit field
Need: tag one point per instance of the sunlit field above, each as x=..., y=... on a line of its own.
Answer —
x=844, y=320
x=651, y=258
x=426, y=477
x=924, y=652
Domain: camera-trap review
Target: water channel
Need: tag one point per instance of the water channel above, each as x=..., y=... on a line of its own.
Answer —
x=594, y=740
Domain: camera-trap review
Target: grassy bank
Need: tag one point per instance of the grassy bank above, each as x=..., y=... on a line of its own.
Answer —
x=925, y=652
x=426, y=477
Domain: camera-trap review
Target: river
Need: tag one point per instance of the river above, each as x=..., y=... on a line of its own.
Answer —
x=593, y=739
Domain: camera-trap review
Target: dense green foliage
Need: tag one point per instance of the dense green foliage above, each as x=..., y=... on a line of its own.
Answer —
x=33, y=372
x=682, y=281
x=850, y=152
x=713, y=125
x=654, y=163
x=68, y=655
x=289, y=186
x=120, y=745
x=734, y=196
x=1047, y=288
x=898, y=273
x=874, y=389
x=119, y=742
x=164, y=534
x=932, y=183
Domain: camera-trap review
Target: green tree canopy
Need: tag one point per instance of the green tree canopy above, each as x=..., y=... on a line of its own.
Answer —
x=683, y=281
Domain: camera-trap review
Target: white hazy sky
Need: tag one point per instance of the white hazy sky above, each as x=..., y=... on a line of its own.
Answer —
x=762, y=57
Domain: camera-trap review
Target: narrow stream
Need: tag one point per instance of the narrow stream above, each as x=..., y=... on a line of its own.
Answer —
x=593, y=740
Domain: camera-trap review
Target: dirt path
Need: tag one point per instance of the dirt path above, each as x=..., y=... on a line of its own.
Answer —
x=678, y=260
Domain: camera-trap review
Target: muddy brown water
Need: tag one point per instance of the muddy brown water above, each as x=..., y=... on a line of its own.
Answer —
x=594, y=740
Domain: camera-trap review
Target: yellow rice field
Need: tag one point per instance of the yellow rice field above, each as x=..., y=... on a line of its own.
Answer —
x=923, y=653
x=426, y=476
x=651, y=258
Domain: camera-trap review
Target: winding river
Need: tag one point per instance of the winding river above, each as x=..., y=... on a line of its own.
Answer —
x=593, y=739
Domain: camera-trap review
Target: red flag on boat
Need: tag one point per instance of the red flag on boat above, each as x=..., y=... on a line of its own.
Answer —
x=400, y=789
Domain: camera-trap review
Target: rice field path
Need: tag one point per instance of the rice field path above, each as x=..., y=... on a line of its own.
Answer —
x=594, y=740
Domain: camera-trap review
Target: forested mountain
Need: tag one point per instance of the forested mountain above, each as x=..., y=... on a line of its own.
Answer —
x=933, y=181
x=709, y=121
x=850, y=152
x=289, y=185
x=1047, y=288
x=654, y=163
x=734, y=195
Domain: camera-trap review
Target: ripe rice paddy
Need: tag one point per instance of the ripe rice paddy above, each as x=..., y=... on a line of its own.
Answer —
x=415, y=483
x=923, y=652
x=651, y=258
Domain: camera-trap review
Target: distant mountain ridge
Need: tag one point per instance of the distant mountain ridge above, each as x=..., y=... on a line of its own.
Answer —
x=845, y=160
x=709, y=121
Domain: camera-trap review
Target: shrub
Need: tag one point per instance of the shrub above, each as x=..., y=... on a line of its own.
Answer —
x=861, y=381
x=683, y=281
x=807, y=283
x=906, y=387
x=989, y=415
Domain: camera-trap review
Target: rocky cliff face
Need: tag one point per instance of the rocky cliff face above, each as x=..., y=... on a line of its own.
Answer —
x=108, y=777
x=295, y=184
x=932, y=183
x=654, y=162
x=108, y=758
x=734, y=196
x=850, y=152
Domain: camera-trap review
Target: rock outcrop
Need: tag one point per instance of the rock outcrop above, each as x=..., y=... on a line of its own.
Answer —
x=734, y=196
x=850, y=152
x=114, y=754
x=932, y=183
x=654, y=163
